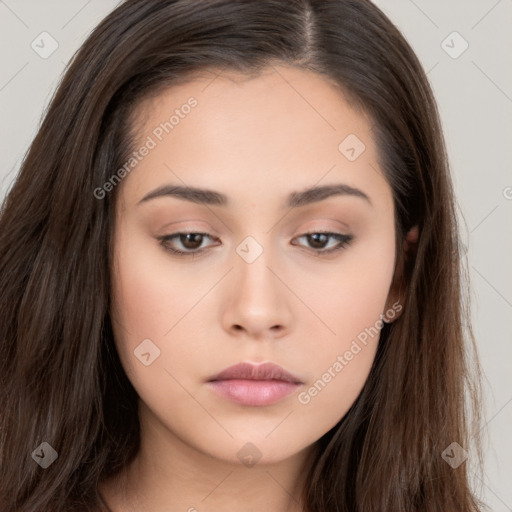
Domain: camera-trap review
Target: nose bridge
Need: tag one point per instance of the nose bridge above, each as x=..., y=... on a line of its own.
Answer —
x=258, y=302
x=252, y=267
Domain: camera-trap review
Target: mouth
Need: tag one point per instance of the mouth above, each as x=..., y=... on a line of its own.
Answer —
x=254, y=384
x=254, y=371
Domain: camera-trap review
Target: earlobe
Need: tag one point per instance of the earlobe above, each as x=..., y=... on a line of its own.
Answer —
x=395, y=302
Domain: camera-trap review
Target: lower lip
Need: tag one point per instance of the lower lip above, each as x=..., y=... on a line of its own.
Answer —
x=253, y=392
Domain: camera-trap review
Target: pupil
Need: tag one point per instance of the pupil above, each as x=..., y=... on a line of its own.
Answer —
x=319, y=243
x=186, y=239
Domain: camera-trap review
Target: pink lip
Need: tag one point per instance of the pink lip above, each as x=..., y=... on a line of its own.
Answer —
x=256, y=385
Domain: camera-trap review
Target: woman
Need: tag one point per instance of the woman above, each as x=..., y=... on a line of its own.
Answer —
x=230, y=272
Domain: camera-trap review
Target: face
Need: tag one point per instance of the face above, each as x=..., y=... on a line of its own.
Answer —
x=269, y=271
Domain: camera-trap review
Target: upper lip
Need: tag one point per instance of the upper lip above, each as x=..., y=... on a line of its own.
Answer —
x=254, y=371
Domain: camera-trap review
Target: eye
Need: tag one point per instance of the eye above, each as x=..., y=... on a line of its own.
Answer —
x=320, y=241
x=190, y=243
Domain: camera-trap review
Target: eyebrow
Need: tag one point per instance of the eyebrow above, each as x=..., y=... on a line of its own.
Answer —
x=294, y=200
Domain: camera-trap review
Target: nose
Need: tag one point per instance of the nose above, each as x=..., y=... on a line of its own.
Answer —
x=258, y=303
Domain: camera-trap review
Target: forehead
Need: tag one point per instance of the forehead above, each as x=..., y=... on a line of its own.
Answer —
x=284, y=129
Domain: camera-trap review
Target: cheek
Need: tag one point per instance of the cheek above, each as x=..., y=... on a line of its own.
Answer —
x=350, y=295
x=145, y=304
x=148, y=300
x=339, y=370
x=351, y=305
x=156, y=301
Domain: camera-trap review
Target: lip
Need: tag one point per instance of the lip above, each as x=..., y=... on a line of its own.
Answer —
x=254, y=384
x=256, y=371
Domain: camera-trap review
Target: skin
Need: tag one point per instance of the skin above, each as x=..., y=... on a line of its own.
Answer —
x=255, y=140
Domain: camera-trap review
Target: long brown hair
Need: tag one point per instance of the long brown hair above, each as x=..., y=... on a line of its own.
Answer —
x=61, y=381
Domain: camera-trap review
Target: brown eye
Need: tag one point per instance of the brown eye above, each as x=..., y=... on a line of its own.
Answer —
x=318, y=241
x=191, y=240
x=184, y=243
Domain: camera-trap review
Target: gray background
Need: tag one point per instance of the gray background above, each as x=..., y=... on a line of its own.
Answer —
x=474, y=93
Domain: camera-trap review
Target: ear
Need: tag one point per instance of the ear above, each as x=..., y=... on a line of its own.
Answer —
x=396, y=295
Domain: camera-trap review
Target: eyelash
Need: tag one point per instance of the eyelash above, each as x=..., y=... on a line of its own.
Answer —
x=344, y=241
